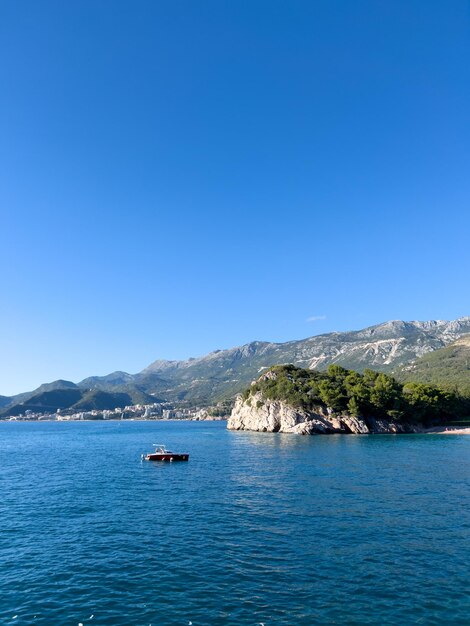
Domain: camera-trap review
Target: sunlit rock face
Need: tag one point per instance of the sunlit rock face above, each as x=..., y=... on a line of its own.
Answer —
x=274, y=416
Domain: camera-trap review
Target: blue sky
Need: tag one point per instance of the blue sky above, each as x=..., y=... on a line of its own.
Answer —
x=182, y=176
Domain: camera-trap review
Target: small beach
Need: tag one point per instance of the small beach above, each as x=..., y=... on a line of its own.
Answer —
x=439, y=430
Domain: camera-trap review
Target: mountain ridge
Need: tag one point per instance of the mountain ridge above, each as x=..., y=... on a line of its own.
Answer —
x=223, y=373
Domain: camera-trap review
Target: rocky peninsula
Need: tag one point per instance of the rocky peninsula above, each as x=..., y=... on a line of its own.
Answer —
x=288, y=399
x=274, y=416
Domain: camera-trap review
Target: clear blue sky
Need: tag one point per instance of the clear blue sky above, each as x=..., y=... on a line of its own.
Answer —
x=182, y=176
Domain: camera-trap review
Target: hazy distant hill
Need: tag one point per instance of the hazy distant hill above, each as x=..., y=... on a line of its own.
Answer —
x=223, y=373
x=4, y=401
x=53, y=386
x=46, y=401
x=115, y=379
x=448, y=367
x=99, y=399
x=73, y=397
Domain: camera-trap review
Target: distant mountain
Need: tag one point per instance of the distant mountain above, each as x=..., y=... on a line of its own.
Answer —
x=4, y=401
x=447, y=367
x=115, y=379
x=99, y=399
x=223, y=373
x=46, y=401
x=50, y=397
x=56, y=384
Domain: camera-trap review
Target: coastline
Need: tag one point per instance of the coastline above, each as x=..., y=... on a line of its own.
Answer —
x=131, y=419
x=436, y=430
x=442, y=430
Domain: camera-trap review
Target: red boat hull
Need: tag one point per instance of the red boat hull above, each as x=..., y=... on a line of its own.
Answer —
x=167, y=457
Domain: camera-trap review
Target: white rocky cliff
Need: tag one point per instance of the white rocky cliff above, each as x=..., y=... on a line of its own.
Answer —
x=261, y=415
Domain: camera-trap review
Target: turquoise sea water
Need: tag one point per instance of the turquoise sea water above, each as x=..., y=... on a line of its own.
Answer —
x=256, y=528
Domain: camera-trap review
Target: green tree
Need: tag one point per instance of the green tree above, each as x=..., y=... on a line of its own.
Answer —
x=385, y=394
x=353, y=407
x=332, y=395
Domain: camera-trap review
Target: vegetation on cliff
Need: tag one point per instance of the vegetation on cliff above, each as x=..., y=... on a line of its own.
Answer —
x=448, y=368
x=371, y=394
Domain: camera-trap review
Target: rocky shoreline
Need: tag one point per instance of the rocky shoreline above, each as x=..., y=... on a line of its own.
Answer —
x=261, y=415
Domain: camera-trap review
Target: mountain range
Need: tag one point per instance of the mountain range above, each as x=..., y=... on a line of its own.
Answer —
x=394, y=346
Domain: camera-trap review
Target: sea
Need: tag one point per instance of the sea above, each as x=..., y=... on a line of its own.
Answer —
x=256, y=529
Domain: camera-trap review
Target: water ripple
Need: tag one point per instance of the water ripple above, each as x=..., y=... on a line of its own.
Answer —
x=256, y=528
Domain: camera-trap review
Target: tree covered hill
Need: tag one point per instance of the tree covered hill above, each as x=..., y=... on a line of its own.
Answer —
x=448, y=367
x=369, y=395
x=4, y=401
x=79, y=400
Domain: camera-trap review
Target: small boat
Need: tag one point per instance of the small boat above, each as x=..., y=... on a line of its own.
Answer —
x=162, y=454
